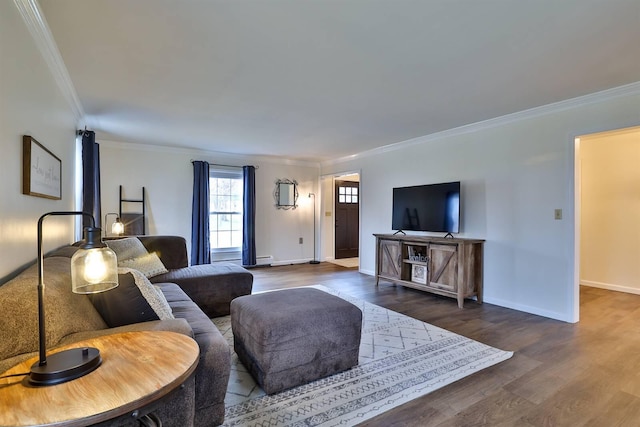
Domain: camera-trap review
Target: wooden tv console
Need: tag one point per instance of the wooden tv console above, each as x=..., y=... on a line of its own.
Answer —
x=443, y=266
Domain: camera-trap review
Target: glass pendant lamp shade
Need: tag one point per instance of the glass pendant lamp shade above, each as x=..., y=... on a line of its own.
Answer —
x=117, y=227
x=94, y=267
x=93, y=270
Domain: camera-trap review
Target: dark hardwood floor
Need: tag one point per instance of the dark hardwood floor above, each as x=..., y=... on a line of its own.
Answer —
x=561, y=374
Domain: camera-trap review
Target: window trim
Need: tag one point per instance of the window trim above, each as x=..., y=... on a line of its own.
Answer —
x=225, y=173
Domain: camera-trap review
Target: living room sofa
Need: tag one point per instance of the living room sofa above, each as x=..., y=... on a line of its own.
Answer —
x=71, y=317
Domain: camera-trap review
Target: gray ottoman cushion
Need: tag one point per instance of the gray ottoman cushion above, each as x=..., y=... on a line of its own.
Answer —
x=290, y=337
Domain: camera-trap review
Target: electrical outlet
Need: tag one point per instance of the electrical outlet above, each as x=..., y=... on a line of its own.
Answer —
x=558, y=214
x=300, y=240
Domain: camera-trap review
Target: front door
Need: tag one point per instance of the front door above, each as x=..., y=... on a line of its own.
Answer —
x=347, y=197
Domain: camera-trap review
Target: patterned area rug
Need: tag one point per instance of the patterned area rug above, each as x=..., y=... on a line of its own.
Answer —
x=401, y=358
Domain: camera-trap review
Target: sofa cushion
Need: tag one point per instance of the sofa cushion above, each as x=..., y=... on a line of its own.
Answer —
x=65, y=312
x=211, y=286
x=172, y=250
x=134, y=300
x=211, y=384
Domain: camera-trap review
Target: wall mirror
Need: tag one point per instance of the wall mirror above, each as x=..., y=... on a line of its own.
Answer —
x=286, y=194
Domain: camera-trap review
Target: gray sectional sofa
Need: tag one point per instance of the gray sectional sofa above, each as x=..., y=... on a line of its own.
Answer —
x=194, y=294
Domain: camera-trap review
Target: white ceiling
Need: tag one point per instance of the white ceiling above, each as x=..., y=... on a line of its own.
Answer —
x=323, y=79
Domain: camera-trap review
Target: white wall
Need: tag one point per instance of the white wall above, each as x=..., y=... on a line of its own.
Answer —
x=30, y=104
x=515, y=171
x=326, y=218
x=167, y=175
x=610, y=210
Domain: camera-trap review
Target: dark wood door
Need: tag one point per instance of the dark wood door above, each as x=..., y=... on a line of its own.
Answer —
x=347, y=197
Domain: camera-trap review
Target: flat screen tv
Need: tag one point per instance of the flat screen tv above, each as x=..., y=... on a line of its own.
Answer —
x=433, y=207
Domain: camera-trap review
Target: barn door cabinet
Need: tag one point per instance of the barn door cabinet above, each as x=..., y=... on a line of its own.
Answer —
x=449, y=267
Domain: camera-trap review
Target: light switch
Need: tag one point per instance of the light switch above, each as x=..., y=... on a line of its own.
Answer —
x=558, y=214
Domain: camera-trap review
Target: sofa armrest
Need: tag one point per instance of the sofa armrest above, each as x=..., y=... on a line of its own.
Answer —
x=171, y=325
x=172, y=250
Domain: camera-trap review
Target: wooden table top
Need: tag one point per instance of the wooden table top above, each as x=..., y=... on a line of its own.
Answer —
x=137, y=369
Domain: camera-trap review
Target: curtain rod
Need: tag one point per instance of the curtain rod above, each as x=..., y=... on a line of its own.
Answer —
x=226, y=166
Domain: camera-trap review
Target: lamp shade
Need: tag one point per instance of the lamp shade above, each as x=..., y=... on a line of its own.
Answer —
x=93, y=270
x=117, y=227
x=94, y=267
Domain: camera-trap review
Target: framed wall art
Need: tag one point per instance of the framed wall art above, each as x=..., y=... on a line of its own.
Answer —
x=41, y=170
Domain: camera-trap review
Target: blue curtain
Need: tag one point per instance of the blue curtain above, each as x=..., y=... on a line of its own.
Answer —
x=249, y=216
x=200, y=245
x=90, y=178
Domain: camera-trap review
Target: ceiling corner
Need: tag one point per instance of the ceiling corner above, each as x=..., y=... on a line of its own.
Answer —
x=37, y=25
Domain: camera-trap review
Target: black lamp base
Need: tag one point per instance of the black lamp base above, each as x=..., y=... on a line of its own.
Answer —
x=65, y=366
x=314, y=262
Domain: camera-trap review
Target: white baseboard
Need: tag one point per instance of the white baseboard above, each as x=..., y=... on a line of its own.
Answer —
x=260, y=260
x=610, y=287
x=292, y=261
x=528, y=309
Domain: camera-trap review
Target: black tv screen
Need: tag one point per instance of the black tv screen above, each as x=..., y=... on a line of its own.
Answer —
x=433, y=207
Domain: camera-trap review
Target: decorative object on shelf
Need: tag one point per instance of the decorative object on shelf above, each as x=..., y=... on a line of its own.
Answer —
x=117, y=227
x=416, y=255
x=41, y=170
x=419, y=273
x=93, y=269
x=286, y=194
x=315, y=260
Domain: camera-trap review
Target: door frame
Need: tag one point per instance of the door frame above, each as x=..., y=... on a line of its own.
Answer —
x=328, y=238
x=337, y=182
x=577, y=211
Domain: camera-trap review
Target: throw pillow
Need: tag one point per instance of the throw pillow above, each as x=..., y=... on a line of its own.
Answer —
x=163, y=298
x=131, y=253
x=127, y=248
x=149, y=264
x=134, y=300
x=151, y=293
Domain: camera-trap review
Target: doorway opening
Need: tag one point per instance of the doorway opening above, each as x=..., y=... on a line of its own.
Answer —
x=606, y=211
x=347, y=218
x=341, y=218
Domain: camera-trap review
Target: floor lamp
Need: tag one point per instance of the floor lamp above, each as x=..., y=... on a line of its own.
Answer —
x=314, y=261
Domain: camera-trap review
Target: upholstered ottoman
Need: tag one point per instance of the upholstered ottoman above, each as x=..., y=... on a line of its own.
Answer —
x=291, y=337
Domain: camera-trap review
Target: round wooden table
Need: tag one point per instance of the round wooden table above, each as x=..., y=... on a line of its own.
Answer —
x=137, y=368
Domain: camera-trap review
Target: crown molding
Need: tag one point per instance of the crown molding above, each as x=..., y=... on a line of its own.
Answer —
x=39, y=29
x=205, y=154
x=593, y=98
